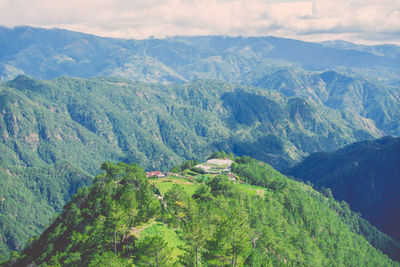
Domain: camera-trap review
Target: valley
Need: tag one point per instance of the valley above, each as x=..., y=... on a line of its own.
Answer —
x=365, y=175
x=72, y=105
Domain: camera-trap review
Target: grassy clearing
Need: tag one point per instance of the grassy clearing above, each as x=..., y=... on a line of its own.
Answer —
x=192, y=173
x=252, y=189
x=170, y=236
x=137, y=231
x=165, y=184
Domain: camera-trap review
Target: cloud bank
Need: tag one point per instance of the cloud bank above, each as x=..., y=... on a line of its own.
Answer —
x=365, y=21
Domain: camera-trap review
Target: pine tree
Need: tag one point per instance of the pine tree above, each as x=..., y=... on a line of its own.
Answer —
x=194, y=233
x=153, y=251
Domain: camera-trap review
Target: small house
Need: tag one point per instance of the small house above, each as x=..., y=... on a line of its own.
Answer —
x=156, y=174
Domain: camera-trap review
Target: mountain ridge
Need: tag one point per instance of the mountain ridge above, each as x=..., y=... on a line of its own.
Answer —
x=79, y=120
x=60, y=52
x=159, y=102
x=364, y=174
x=217, y=222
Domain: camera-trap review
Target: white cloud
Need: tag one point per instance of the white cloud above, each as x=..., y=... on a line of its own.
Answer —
x=356, y=20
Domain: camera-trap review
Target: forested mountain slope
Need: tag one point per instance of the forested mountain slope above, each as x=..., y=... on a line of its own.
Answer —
x=159, y=126
x=365, y=174
x=308, y=97
x=86, y=121
x=342, y=92
x=125, y=219
x=342, y=76
x=30, y=197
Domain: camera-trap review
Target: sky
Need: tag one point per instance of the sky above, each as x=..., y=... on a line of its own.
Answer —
x=360, y=21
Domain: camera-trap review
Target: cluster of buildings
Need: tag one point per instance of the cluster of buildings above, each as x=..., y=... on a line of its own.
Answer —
x=157, y=174
x=160, y=174
x=213, y=166
x=216, y=166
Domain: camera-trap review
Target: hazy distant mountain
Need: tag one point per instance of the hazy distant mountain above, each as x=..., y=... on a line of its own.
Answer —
x=364, y=174
x=339, y=75
x=386, y=50
x=45, y=54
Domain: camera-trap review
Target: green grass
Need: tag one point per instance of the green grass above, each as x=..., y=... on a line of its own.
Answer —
x=165, y=184
x=170, y=236
x=192, y=173
x=252, y=189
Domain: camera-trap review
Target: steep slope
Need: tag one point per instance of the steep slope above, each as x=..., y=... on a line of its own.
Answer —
x=29, y=198
x=361, y=79
x=342, y=92
x=77, y=121
x=218, y=223
x=33, y=132
x=118, y=119
x=364, y=174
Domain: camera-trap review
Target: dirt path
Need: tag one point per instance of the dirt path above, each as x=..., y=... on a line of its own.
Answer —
x=136, y=230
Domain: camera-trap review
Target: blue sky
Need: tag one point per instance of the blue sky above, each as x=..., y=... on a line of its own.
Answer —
x=361, y=21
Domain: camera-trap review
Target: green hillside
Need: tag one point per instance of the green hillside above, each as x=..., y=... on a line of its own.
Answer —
x=84, y=122
x=358, y=78
x=369, y=98
x=159, y=102
x=126, y=219
x=30, y=197
x=159, y=126
x=364, y=174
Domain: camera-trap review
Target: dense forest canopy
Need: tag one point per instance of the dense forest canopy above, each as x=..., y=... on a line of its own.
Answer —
x=364, y=174
x=125, y=218
x=161, y=102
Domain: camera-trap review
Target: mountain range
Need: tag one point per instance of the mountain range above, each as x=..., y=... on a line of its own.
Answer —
x=85, y=122
x=50, y=53
x=339, y=75
x=338, y=91
x=70, y=101
x=365, y=174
